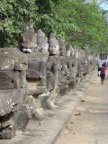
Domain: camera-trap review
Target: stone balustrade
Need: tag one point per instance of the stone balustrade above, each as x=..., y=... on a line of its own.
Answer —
x=34, y=75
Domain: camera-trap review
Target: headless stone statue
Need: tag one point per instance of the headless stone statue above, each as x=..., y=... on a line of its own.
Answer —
x=13, y=65
x=28, y=39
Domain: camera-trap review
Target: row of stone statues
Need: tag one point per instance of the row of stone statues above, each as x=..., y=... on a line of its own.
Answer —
x=105, y=18
x=35, y=75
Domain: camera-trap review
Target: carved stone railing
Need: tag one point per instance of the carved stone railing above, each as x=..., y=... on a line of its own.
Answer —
x=32, y=77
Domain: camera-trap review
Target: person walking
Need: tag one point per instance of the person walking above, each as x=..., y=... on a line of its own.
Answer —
x=99, y=67
x=102, y=74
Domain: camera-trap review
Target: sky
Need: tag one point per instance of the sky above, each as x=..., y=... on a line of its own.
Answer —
x=102, y=3
x=104, y=6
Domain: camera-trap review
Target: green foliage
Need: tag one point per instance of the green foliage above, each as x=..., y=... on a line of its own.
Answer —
x=13, y=14
x=88, y=28
x=76, y=22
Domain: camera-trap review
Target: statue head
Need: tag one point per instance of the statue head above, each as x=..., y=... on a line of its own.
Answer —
x=28, y=27
x=62, y=47
x=53, y=45
x=42, y=42
x=28, y=39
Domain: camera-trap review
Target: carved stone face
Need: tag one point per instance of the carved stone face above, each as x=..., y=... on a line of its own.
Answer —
x=28, y=39
x=53, y=45
x=62, y=47
x=54, y=49
x=44, y=48
x=42, y=42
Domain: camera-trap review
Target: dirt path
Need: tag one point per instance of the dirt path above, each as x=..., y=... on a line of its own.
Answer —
x=89, y=122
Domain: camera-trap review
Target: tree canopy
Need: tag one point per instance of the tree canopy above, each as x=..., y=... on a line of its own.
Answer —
x=78, y=23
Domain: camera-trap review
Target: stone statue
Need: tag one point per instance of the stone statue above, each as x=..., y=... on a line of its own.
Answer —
x=28, y=39
x=62, y=47
x=53, y=68
x=81, y=63
x=36, y=74
x=105, y=19
x=53, y=45
x=64, y=71
x=72, y=66
x=76, y=52
x=42, y=42
x=13, y=65
x=89, y=60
